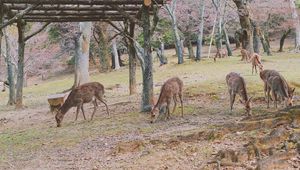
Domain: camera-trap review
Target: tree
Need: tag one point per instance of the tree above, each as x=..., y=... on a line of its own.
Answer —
x=10, y=71
x=115, y=55
x=244, y=16
x=82, y=47
x=200, y=34
x=102, y=41
x=171, y=11
x=296, y=24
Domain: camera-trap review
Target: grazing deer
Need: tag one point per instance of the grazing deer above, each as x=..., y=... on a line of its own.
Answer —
x=221, y=53
x=245, y=55
x=84, y=93
x=266, y=74
x=279, y=88
x=170, y=90
x=236, y=85
x=256, y=62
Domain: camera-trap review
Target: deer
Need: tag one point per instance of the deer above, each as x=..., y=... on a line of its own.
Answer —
x=236, y=85
x=279, y=88
x=266, y=74
x=256, y=62
x=245, y=55
x=221, y=53
x=84, y=93
x=169, y=91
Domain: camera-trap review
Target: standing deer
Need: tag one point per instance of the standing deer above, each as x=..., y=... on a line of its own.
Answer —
x=221, y=53
x=279, y=88
x=266, y=74
x=256, y=62
x=236, y=85
x=170, y=90
x=84, y=93
x=245, y=55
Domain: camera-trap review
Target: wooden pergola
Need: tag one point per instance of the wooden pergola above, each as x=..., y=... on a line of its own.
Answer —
x=135, y=12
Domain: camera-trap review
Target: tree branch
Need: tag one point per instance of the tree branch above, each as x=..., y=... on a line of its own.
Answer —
x=18, y=16
x=36, y=32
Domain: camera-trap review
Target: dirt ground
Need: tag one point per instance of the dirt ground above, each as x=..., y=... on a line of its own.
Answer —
x=209, y=136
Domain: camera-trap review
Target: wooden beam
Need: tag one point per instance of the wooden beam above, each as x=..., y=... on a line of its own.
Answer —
x=74, y=13
x=76, y=20
x=73, y=7
x=126, y=15
x=80, y=2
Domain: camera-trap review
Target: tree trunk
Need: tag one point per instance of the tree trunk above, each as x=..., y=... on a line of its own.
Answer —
x=147, y=95
x=20, y=77
x=237, y=39
x=296, y=24
x=211, y=38
x=229, y=52
x=10, y=73
x=179, y=50
x=103, y=49
x=200, y=35
x=265, y=44
x=247, y=33
x=132, y=61
x=256, y=39
x=190, y=48
x=285, y=34
x=115, y=54
x=82, y=48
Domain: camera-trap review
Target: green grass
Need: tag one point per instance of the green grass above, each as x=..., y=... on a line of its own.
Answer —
x=204, y=77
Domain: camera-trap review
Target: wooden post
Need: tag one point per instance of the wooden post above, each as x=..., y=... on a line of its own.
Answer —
x=132, y=61
x=1, y=33
x=20, y=78
x=147, y=95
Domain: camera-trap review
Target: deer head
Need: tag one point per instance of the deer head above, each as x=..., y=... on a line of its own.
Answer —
x=154, y=114
x=247, y=105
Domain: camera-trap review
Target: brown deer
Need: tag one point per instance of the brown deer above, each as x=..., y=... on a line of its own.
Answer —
x=266, y=74
x=170, y=90
x=84, y=93
x=245, y=55
x=221, y=53
x=279, y=88
x=236, y=85
x=256, y=62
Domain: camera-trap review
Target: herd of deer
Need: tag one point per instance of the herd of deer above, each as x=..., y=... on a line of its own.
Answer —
x=172, y=88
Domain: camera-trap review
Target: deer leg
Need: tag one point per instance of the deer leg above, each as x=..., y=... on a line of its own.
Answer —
x=175, y=103
x=83, y=112
x=77, y=111
x=181, y=103
x=232, y=100
x=255, y=66
x=95, y=108
x=268, y=93
x=252, y=69
x=168, y=110
x=102, y=101
x=275, y=99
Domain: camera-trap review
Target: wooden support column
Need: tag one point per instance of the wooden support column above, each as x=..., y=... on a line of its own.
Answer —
x=147, y=95
x=1, y=33
x=21, y=50
x=132, y=61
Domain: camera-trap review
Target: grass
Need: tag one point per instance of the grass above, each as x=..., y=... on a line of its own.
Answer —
x=204, y=77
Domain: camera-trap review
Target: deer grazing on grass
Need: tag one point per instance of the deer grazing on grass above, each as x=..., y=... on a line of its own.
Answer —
x=245, y=55
x=279, y=88
x=266, y=74
x=84, y=93
x=169, y=91
x=221, y=53
x=236, y=85
x=256, y=62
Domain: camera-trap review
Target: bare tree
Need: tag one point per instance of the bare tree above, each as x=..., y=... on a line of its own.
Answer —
x=82, y=46
x=200, y=35
x=296, y=24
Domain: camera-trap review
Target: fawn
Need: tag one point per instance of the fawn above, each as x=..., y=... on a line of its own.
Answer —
x=245, y=55
x=236, y=85
x=256, y=62
x=266, y=74
x=221, y=53
x=170, y=89
x=279, y=88
x=84, y=93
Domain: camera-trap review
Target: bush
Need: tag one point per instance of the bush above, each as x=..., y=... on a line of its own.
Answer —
x=53, y=34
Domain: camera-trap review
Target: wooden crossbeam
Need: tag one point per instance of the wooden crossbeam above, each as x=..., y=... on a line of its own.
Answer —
x=81, y=2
